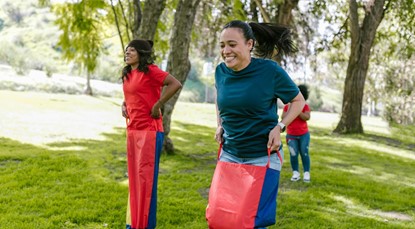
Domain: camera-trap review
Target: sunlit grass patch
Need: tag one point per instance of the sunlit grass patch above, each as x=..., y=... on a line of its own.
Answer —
x=41, y=189
x=357, y=209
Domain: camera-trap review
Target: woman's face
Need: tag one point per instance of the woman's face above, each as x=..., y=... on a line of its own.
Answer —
x=235, y=49
x=131, y=57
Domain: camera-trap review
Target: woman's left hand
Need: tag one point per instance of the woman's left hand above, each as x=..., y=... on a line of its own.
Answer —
x=155, y=111
x=274, y=138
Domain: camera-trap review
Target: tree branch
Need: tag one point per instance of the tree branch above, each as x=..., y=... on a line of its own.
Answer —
x=127, y=27
x=118, y=25
x=342, y=30
x=263, y=12
x=386, y=8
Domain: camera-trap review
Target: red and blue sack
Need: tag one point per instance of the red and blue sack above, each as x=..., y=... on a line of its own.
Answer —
x=242, y=196
x=143, y=156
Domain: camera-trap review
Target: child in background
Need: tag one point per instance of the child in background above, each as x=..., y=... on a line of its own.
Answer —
x=298, y=139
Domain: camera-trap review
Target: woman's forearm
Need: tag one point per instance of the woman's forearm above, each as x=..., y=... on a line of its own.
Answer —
x=172, y=85
x=218, y=119
x=296, y=106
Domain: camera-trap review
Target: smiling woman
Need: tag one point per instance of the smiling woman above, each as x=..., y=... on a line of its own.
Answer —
x=143, y=82
x=247, y=92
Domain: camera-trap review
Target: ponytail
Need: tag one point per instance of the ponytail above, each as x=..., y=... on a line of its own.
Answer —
x=268, y=37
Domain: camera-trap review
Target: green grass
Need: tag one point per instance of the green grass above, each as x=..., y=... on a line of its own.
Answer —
x=358, y=181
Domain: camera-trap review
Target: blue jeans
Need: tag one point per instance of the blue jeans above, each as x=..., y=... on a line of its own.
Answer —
x=299, y=145
x=262, y=161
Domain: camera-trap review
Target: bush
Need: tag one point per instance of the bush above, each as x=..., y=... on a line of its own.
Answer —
x=193, y=91
x=15, y=56
x=314, y=99
x=197, y=88
x=108, y=70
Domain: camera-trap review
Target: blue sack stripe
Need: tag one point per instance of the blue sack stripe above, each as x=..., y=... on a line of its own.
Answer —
x=268, y=202
x=153, y=204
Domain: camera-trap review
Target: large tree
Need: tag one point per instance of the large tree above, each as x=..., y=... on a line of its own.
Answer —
x=178, y=62
x=362, y=32
x=392, y=47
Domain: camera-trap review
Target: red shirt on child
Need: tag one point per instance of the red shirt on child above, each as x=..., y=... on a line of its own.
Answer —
x=298, y=126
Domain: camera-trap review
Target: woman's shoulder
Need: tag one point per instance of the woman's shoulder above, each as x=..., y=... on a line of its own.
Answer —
x=153, y=68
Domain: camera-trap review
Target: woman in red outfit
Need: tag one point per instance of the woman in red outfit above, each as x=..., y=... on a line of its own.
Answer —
x=142, y=85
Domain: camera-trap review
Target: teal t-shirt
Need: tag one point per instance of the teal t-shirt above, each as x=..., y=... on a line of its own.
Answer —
x=247, y=101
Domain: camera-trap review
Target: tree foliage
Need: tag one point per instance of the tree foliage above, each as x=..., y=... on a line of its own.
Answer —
x=392, y=63
x=211, y=17
x=82, y=34
x=81, y=38
x=323, y=33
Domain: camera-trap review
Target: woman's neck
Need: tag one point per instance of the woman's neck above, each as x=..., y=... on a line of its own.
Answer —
x=244, y=65
x=134, y=66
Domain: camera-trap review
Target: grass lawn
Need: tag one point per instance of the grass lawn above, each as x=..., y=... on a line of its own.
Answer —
x=63, y=165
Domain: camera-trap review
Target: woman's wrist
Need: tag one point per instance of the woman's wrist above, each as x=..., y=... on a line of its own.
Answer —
x=281, y=126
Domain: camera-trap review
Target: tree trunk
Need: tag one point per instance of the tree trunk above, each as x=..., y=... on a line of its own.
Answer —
x=88, y=88
x=254, y=11
x=178, y=63
x=151, y=14
x=362, y=37
x=285, y=15
x=137, y=16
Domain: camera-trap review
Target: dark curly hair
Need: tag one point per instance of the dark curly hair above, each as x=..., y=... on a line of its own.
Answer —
x=146, y=56
x=304, y=90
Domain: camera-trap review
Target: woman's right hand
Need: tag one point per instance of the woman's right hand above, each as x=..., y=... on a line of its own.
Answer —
x=124, y=110
x=218, y=134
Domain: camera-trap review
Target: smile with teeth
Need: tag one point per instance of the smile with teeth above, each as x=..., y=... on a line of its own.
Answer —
x=229, y=58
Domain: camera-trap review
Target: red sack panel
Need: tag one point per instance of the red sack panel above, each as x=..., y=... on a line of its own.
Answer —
x=141, y=151
x=234, y=195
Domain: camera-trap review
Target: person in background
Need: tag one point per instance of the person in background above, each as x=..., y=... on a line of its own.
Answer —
x=142, y=85
x=247, y=90
x=298, y=138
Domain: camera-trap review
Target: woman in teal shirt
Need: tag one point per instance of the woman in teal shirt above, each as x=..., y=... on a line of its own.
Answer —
x=247, y=92
x=248, y=89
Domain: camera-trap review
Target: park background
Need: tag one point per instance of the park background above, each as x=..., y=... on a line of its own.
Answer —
x=62, y=137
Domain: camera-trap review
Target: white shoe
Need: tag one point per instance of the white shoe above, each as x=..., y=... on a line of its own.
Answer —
x=296, y=176
x=306, y=177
